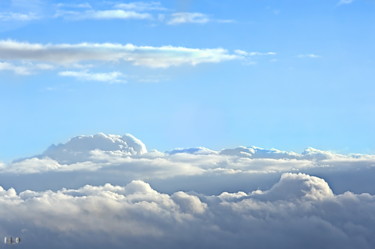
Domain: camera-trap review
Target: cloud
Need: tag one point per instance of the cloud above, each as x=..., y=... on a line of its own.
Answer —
x=25, y=68
x=80, y=148
x=14, y=16
x=70, y=5
x=106, y=14
x=154, y=57
x=110, y=190
x=5, y=66
x=141, y=6
x=300, y=211
x=342, y=2
x=112, y=77
x=102, y=158
x=311, y=56
x=188, y=17
x=245, y=53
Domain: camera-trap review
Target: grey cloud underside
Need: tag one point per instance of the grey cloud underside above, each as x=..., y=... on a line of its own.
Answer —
x=300, y=211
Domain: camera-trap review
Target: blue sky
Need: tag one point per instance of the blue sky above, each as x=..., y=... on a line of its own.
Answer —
x=284, y=74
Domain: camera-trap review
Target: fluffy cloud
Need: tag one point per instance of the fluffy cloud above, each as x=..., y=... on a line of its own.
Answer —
x=155, y=57
x=109, y=190
x=102, y=158
x=300, y=211
x=80, y=148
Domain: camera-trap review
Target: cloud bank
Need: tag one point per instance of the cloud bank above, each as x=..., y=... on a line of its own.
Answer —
x=110, y=190
x=300, y=211
x=101, y=158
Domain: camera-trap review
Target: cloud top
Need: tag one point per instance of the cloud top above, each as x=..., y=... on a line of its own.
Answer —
x=79, y=148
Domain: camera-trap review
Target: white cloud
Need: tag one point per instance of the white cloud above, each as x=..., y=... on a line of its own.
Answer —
x=154, y=57
x=79, y=5
x=188, y=17
x=14, y=16
x=341, y=2
x=112, y=14
x=245, y=53
x=80, y=148
x=21, y=70
x=141, y=6
x=117, y=159
x=25, y=68
x=112, y=77
x=300, y=211
x=312, y=56
x=109, y=190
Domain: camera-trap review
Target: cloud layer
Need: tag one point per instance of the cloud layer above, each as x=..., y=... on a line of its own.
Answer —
x=300, y=211
x=101, y=158
x=110, y=190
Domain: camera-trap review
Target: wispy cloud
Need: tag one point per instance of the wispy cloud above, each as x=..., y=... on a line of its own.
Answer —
x=24, y=68
x=104, y=14
x=111, y=77
x=141, y=6
x=5, y=66
x=14, y=16
x=187, y=17
x=190, y=17
x=154, y=57
x=343, y=2
x=245, y=53
x=311, y=56
x=152, y=11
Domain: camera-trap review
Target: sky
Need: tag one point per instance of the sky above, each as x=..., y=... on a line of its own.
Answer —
x=282, y=74
x=187, y=124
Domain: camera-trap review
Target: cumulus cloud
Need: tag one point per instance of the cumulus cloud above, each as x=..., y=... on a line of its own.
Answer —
x=155, y=57
x=112, y=77
x=110, y=190
x=102, y=158
x=80, y=148
x=300, y=211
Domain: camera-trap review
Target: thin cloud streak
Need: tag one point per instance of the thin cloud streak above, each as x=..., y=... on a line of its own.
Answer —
x=111, y=77
x=154, y=57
